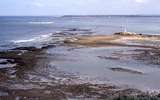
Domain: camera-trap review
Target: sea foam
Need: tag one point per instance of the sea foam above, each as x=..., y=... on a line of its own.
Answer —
x=40, y=38
x=40, y=22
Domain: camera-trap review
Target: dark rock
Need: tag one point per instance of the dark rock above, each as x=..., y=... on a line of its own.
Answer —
x=27, y=48
x=23, y=60
x=125, y=33
x=11, y=61
x=48, y=46
x=3, y=77
x=151, y=56
x=77, y=29
x=73, y=29
x=110, y=58
x=3, y=63
x=7, y=61
x=10, y=54
x=125, y=70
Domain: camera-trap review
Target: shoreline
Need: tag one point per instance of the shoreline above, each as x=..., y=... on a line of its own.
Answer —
x=26, y=58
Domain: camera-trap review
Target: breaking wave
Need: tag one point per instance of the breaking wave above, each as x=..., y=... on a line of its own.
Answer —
x=38, y=41
x=55, y=38
x=40, y=22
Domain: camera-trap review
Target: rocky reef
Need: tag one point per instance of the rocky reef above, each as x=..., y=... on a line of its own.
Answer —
x=15, y=62
x=22, y=58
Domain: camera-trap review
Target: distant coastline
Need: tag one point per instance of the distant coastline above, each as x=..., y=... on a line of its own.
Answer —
x=111, y=16
x=80, y=15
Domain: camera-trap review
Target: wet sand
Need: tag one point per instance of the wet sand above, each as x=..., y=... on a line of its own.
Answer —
x=122, y=65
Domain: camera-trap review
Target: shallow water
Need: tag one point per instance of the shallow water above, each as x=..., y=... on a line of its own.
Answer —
x=85, y=63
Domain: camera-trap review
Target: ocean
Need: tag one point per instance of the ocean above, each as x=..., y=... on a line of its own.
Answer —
x=15, y=29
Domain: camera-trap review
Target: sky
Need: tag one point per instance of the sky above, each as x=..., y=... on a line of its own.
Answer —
x=79, y=7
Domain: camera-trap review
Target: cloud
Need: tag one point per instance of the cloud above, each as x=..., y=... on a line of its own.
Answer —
x=38, y=4
x=141, y=1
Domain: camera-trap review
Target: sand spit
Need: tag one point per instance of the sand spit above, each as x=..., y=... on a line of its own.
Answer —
x=117, y=39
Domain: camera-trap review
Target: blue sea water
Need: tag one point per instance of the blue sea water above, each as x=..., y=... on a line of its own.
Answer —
x=13, y=28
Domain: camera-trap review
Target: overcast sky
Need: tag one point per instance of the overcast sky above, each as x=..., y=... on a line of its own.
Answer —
x=79, y=7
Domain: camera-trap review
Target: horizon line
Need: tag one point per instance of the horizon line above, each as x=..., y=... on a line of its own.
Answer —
x=70, y=15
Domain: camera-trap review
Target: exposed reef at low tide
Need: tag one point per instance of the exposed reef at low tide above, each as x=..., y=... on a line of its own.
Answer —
x=15, y=63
